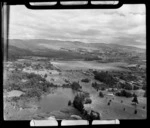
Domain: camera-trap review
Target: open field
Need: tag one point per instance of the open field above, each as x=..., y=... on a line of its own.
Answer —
x=84, y=65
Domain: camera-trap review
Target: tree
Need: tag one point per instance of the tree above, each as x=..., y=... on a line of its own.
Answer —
x=124, y=93
x=101, y=94
x=45, y=75
x=78, y=102
x=135, y=112
x=135, y=99
x=69, y=103
x=75, y=86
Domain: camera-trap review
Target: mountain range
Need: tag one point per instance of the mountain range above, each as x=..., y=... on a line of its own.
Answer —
x=46, y=47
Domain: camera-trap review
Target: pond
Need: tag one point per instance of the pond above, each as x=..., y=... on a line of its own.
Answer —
x=57, y=100
x=59, y=97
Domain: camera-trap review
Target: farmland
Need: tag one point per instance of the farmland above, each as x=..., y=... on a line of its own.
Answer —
x=32, y=84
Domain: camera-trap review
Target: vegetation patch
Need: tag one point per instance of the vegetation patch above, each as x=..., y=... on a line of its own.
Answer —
x=126, y=86
x=101, y=94
x=105, y=77
x=75, y=86
x=86, y=80
x=124, y=93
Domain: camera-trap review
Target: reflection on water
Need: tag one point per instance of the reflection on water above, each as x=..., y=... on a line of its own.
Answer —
x=57, y=100
x=59, y=97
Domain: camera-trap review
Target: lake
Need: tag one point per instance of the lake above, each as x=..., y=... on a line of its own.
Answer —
x=60, y=96
x=57, y=100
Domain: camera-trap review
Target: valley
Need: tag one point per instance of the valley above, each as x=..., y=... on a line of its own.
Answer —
x=40, y=80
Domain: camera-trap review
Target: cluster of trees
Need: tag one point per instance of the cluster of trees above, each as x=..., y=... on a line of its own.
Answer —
x=75, y=86
x=14, y=86
x=66, y=85
x=78, y=103
x=135, y=87
x=36, y=76
x=105, y=77
x=96, y=85
x=126, y=86
x=127, y=76
x=124, y=93
x=34, y=86
x=99, y=86
x=92, y=115
x=86, y=80
x=36, y=92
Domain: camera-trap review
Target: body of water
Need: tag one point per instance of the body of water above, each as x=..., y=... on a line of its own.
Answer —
x=57, y=100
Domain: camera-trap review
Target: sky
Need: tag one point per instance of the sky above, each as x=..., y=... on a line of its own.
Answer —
x=126, y=25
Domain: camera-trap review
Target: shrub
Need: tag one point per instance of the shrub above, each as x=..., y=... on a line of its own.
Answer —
x=102, y=88
x=45, y=75
x=88, y=101
x=69, y=103
x=48, y=84
x=101, y=94
x=34, y=93
x=15, y=99
x=15, y=86
x=86, y=80
x=31, y=75
x=135, y=112
x=66, y=85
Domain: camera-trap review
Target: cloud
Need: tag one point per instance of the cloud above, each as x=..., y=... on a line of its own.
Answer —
x=123, y=25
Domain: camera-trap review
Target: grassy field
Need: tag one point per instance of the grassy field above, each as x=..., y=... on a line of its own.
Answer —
x=82, y=65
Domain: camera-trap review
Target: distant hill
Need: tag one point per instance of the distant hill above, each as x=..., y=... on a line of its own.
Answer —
x=52, y=48
x=39, y=44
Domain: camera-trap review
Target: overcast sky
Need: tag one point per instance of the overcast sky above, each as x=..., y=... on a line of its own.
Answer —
x=124, y=25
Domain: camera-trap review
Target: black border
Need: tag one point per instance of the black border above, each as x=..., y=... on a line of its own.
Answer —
x=124, y=123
